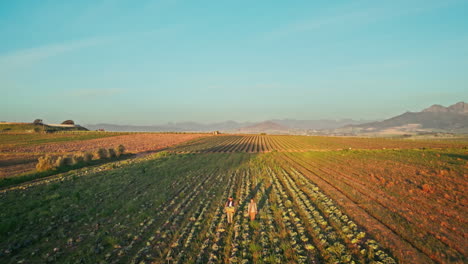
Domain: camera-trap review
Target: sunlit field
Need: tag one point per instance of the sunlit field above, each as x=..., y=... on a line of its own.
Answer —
x=320, y=200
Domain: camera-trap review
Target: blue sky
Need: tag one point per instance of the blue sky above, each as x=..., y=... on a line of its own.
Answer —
x=152, y=62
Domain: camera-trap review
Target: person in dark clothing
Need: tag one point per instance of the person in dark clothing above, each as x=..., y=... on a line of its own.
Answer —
x=229, y=207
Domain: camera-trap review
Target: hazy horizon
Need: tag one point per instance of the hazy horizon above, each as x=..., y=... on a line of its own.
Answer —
x=154, y=62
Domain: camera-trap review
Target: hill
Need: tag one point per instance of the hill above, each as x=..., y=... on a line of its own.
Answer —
x=15, y=127
x=173, y=127
x=293, y=125
x=318, y=124
x=458, y=108
x=265, y=127
x=436, y=118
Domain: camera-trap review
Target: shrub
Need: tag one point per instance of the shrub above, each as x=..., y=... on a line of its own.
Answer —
x=101, y=153
x=120, y=150
x=77, y=159
x=112, y=153
x=45, y=163
x=63, y=161
x=69, y=160
x=60, y=162
x=87, y=157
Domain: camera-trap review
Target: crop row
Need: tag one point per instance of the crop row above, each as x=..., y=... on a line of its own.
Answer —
x=282, y=143
x=242, y=143
x=133, y=223
x=298, y=223
x=173, y=215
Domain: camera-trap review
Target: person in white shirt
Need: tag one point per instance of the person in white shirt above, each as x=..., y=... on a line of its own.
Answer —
x=253, y=211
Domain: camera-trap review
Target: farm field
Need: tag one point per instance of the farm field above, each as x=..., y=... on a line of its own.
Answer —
x=268, y=143
x=382, y=201
x=19, y=152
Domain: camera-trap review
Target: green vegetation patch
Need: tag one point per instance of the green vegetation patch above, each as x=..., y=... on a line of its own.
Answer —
x=92, y=212
x=39, y=138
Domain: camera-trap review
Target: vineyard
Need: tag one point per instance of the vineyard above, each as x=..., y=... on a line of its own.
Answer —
x=382, y=201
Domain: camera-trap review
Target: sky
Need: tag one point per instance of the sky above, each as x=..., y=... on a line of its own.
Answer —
x=152, y=62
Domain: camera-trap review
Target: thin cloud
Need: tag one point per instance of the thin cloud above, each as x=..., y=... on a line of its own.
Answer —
x=379, y=65
x=94, y=93
x=317, y=24
x=345, y=16
x=28, y=57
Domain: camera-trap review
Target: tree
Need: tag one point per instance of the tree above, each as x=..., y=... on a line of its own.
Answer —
x=68, y=122
x=38, y=122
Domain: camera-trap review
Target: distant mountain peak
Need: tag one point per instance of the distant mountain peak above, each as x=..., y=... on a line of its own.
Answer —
x=458, y=108
x=271, y=124
x=265, y=126
x=434, y=118
x=435, y=108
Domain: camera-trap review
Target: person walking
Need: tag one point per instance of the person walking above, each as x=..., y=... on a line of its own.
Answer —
x=253, y=211
x=229, y=207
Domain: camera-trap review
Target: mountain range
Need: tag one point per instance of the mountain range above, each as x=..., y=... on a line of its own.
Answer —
x=277, y=125
x=174, y=127
x=435, y=118
x=265, y=127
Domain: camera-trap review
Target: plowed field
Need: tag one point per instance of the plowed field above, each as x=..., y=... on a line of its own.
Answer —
x=19, y=153
x=378, y=202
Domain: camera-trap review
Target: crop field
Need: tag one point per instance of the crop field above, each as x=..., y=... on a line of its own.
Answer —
x=382, y=201
x=19, y=152
x=268, y=143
